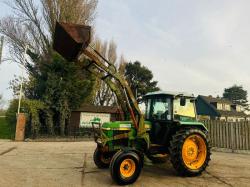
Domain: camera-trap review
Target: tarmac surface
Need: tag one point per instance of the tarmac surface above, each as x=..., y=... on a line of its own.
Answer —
x=71, y=164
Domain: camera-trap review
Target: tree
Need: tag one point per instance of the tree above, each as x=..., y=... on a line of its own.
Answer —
x=62, y=86
x=237, y=95
x=104, y=96
x=1, y=48
x=1, y=101
x=66, y=88
x=32, y=24
x=140, y=79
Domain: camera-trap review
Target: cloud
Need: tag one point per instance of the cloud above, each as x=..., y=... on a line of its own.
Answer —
x=195, y=46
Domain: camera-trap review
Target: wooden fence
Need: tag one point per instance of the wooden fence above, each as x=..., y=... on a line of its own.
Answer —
x=230, y=135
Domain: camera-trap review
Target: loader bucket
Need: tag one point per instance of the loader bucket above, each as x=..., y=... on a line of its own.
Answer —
x=70, y=39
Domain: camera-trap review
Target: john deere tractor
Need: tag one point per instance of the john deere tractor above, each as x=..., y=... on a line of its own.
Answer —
x=168, y=127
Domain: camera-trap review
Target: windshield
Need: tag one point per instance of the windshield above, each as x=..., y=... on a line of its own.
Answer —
x=158, y=109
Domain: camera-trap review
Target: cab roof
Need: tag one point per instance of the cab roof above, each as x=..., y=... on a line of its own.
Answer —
x=170, y=93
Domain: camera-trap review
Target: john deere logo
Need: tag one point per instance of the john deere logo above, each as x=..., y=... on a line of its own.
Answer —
x=125, y=125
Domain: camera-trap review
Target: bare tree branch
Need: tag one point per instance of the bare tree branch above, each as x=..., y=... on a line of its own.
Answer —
x=33, y=24
x=104, y=96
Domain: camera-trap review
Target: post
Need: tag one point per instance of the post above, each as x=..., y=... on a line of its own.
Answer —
x=20, y=93
x=21, y=87
x=21, y=119
x=232, y=134
x=20, y=127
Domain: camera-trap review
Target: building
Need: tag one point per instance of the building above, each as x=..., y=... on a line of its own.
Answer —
x=211, y=108
x=81, y=117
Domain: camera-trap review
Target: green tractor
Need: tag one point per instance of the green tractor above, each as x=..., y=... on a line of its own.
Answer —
x=168, y=127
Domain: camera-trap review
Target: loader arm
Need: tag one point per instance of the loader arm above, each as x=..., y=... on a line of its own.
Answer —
x=72, y=42
x=115, y=81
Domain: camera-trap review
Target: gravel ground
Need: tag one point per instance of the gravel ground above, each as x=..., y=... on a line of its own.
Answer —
x=71, y=164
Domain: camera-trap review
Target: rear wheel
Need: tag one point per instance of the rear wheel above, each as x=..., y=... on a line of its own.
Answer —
x=190, y=151
x=102, y=159
x=125, y=167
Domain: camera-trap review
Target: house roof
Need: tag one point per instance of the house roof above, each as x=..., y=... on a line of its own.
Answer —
x=233, y=112
x=97, y=109
x=211, y=99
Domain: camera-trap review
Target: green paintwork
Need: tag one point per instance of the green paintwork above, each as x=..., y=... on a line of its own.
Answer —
x=183, y=116
x=123, y=124
x=110, y=131
x=117, y=124
x=193, y=123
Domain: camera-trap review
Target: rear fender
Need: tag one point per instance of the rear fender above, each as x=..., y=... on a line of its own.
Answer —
x=195, y=124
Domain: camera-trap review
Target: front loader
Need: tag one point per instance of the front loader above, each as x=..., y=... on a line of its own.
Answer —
x=168, y=127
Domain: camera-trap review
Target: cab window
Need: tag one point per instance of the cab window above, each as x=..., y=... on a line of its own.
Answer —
x=161, y=109
x=187, y=110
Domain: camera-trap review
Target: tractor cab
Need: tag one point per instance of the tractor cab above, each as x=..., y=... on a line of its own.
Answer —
x=165, y=110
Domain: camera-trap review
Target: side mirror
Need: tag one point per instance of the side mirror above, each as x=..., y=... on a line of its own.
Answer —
x=192, y=100
x=183, y=101
x=140, y=99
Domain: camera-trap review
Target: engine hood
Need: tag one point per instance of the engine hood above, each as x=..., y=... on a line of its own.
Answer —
x=122, y=125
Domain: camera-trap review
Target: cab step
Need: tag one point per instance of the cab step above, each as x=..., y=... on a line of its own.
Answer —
x=157, y=149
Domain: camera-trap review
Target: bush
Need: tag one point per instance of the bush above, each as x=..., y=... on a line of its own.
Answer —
x=11, y=112
x=2, y=112
x=6, y=131
x=32, y=109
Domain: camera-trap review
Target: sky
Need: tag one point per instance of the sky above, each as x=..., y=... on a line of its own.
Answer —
x=7, y=68
x=193, y=46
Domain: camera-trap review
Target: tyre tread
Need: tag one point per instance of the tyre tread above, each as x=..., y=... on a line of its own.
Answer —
x=175, y=150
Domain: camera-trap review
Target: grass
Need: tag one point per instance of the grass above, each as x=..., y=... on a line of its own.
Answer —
x=6, y=130
x=2, y=112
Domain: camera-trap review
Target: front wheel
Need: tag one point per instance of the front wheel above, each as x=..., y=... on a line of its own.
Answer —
x=102, y=159
x=190, y=151
x=125, y=167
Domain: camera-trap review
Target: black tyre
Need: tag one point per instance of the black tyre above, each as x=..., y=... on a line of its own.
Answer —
x=125, y=167
x=102, y=159
x=190, y=151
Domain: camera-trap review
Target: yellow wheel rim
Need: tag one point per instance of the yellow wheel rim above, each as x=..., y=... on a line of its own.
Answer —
x=127, y=168
x=194, y=151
